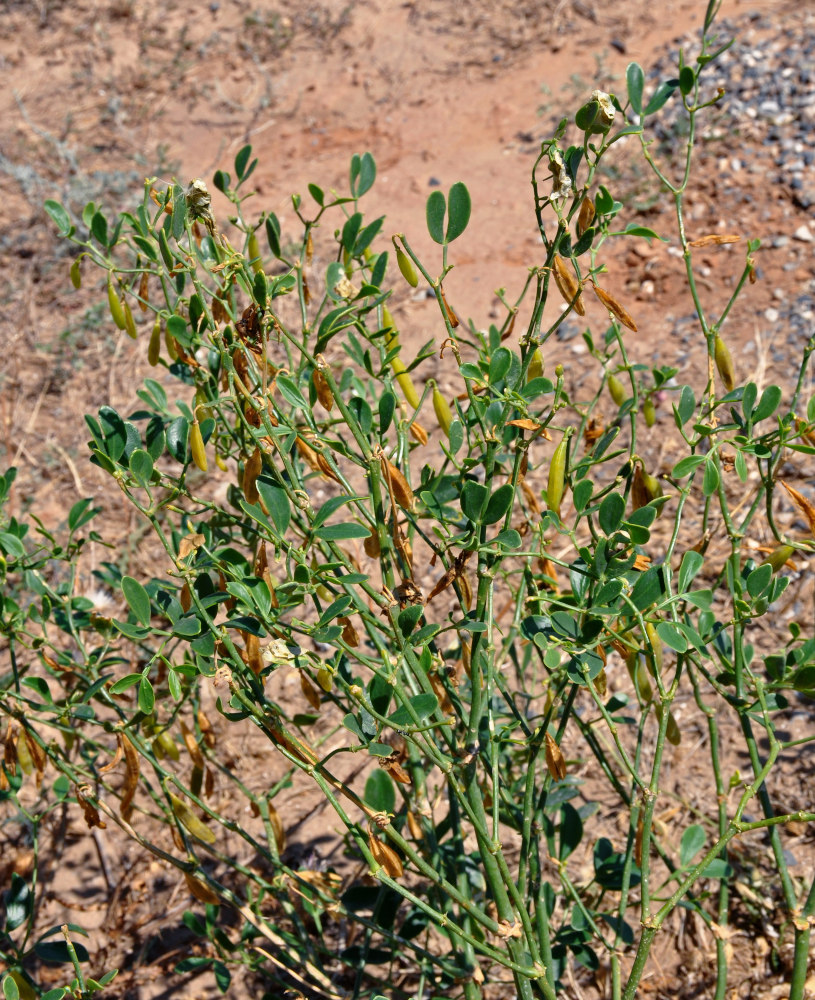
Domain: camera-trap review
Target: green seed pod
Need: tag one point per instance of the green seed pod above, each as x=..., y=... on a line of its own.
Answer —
x=154, y=347
x=199, y=454
x=188, y=819
x=76, y=274
x=779, y=557
x=556, y=483
x=116, y=310
x=724, y=363
x=649, y=412
x=653, y=651
x=536, y=366
x=407, y=268
x=130, y=323
x=405, y=383
x=253, y=249
x=164, y=247
x=639, y=676
x=391, y=333
x=616, y=390
x=442, y=410
x=672, y=731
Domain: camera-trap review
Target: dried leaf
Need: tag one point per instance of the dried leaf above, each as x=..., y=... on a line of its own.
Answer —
x=614, y=307
x=418, y=432
x=144, y=291
x=803, y=504
x=443, y=583
x=451, y=316
x=714, y=239
x=585, y=215
x=640, y=496
x=323, y=390
x=371, y=544
x=90, y=811
x=445, y=705
x=276, y=824
x=414, y=826
x=324, y=467
x=254, y=657
x=395, y=770
x=189, y=544
x=349, y=633
x=555, y=761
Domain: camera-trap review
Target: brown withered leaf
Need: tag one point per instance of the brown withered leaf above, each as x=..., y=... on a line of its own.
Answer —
x=803, y=504
x=323, y=389
x=614, y=307
x=715, y=239
x=144, y=291
x=349, y=633
x=206, y=728
x=308, y=454
x=131, y=782
x=640, y=497
x=116, y=758
x=394, y=768
x=593, y=430
x=567, y=285
x=413, y=826
x=555, y=761
x=451, y=316
x=276, y=824
x=371, y=544
x=253, y=657
x=190, y=543
x=407, y=593
x=443, y=583
x=445, y=705
x=89, y=810
x=324, y=467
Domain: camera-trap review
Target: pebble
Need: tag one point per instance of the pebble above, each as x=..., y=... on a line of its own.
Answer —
x=803, y=234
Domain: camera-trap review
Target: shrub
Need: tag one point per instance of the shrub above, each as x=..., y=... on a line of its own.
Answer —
x=450, y=606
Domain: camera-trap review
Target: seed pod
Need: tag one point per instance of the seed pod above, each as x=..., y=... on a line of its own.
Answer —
x=724, y=363
x=131, y=782
x=130, y=323
x=779, y=557
x=187, y=818
x=253, y=250
x=402, y=492
x=585, y=216
x=567, y=285
x=614, y=308
x=385, y=856
x=441, y=407
x=349, y=633
x=76, y=274
x=199, y=454
x=144, y=291
x=536, y=365
x=555, y=761
x=276, y=824
x=323, y=390
x=413, y=826
x=371, y=545
x=325, y=678
x=556, y=482
x=167, y=744
x=116, y=310
x=170, y=344
x=653, y=651
x=405, y=383
x=309, y=692
x=452, y=319
x=164, y=247
x=391, y=333
x=616, y=390
x=201, y=891
x=418, y=432
x=651, y=485
x=309, y=247
x=639, y=675
x=639, y=494
x=154, y=347
x=672, y=732
x=252, y=469
x=649, y=412
x=407, y=268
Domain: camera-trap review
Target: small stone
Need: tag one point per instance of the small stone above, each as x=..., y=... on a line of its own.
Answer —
x=803, y=234
x=771, y=315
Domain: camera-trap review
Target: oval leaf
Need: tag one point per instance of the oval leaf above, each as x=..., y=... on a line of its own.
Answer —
x=458, y=211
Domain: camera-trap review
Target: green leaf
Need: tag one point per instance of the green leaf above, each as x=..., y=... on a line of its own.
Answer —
x=436, y=208
x=710, y=480
x=693, y=840
x=146, y=696
x=275, y=501
x=692, y=562
x=10, y=991
x=409, y=618
x=634, y=230
x=60, y=217
x=241, y=160
x=648, y=589
x=748, y=399
x=291, y=393
x=363, y=174
x=473, y=498
x=768, y=403
x=635, y=79
x=99, y=228
x=459, y=207
x=380, y=792
x=687, y=405
x=423, y=705
x=341, y=532
x=509, y=539
x=612, y=511
x=672, y=637
x=18, y=901
x=124, y=683
x=687, y=78
x=141, y=466
x=759, y=580
x=330, y=506
x=137, y=599
x=718, y=868
x=499, y=503
x=317, y=194
x=81, y=513
x=179, y=216
x=661, y=95
x=273, y=234
x=685, y=466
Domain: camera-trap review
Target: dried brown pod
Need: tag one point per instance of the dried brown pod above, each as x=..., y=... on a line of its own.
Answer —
x=555, y=761
x=614, y=307
x=803, y=504
x=276, y=824
x=385, y=856
x=397, y=484
x=585, y=216
x=131, y=782
x=349, y=633
x=201, y=890
x=715, y=239
x=452, y=319
x=310, y=692
x=185, y=598
x=191, y=743
x=371, y=544
x=418, y=432
x=251, y=471
x=323, y=390
x=567, y=285
x=89, y=810
x=144, y=291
